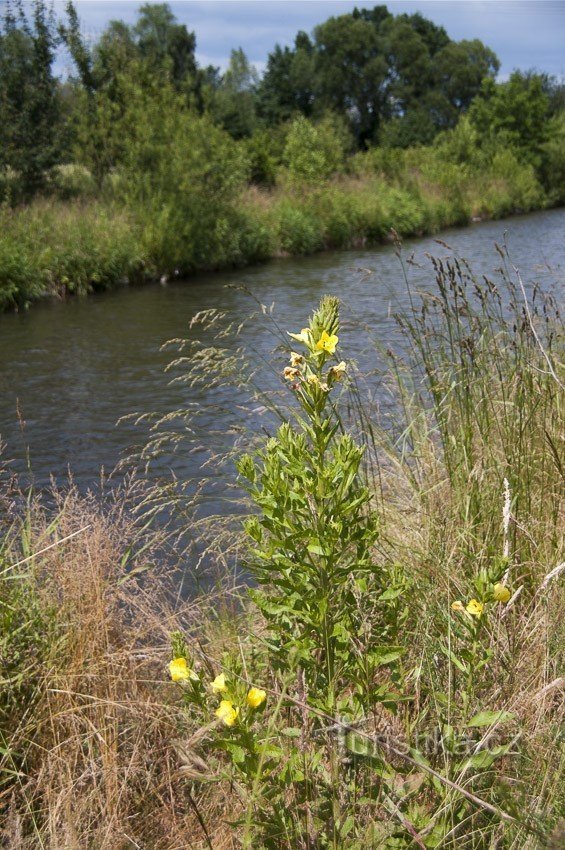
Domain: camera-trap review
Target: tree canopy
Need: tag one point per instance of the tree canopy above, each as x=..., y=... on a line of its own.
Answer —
x=363, y=79
x=376, y=68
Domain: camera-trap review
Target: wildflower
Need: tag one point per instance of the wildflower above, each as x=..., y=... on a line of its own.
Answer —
x=501, y=592
x=475, y=608
x=219, y=684
x=303, y=336
x=336, y=373
x=457, y=606
x=180, y=671
x=327, y=343
x=314, y=380
x=296, y=359
x=227, y=712
x=290, y=373
x=256, y=697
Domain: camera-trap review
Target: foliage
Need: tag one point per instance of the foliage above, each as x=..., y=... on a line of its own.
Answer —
x=515, y=112
x=358, y=609
x=29, y=100
x=51, y=248
x=424, y=550
x=233, y=102
x=312, y=153
x=182, y=174
x=168, y=149
x=375, y=68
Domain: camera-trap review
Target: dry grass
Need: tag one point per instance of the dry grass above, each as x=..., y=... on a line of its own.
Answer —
x=96, y=748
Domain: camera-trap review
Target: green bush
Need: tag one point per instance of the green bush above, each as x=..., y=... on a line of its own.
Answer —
x=313, y=153
x=182, y=175
x=552, y=172
x=71, y=181
x=299, y=232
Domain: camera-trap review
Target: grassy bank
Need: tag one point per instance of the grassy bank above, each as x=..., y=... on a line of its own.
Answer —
x=379, y=607
x=59, y=247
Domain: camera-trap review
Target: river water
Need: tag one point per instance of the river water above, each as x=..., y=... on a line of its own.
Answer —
x=70, y=370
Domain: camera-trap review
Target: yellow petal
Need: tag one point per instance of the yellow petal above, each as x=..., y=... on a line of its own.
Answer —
x=180, y=671
x=327, y=343
x=501, y=592
x=457, y=606
x=303, y=336
x=475, y=608
x=226, y=712
x=256, y=697
x=219, y=684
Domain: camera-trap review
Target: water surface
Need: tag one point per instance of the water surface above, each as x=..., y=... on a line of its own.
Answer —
x=69, y=371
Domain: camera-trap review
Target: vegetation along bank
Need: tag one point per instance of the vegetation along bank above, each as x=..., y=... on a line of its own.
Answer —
x=142, y=163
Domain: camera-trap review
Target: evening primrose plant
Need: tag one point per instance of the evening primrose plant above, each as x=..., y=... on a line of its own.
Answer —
x=331, y=614
x=313, y=540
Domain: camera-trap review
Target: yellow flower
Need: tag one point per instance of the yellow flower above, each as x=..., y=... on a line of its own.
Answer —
x=457, y=606
x=327, y=343
x=296, y=359
x=303, y=336
x=227, y=712
x=501, y=592
x=336, y=373
x=290, y=373
x=256, y=697
x=180, y=671
x=314, y=380
x=219, y=684
x=475, y=608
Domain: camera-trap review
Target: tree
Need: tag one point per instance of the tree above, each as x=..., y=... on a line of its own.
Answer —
x=288, y=85
x=162, y=42
x=181, y=174
x=460, y=69
x=233, y=102
x=351, y=72
x=376, y=68
x=517, y=110
x=30, y=126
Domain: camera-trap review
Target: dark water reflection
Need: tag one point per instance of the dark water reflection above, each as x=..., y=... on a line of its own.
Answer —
x=73, y=369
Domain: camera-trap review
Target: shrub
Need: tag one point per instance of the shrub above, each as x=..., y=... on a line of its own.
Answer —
x=298, y=230
x=312, y=153
x=182, y=175
x=71, y=181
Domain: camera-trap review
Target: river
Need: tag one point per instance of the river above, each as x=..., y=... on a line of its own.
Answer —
x=70, y=370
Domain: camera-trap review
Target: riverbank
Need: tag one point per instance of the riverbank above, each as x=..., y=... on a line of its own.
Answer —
x=446, y=621
x=58, y=248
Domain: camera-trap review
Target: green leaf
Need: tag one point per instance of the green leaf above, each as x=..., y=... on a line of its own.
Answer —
x=485, y=758
x=391, y=593
x=490, y=718
x=453, y=658
x=385, y=654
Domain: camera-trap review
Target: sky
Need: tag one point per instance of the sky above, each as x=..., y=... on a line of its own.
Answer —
x=524, y=34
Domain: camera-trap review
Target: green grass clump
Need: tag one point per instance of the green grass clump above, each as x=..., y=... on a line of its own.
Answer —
x=52, y=248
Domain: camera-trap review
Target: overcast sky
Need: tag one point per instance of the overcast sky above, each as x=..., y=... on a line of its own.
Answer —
x=523, y=33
